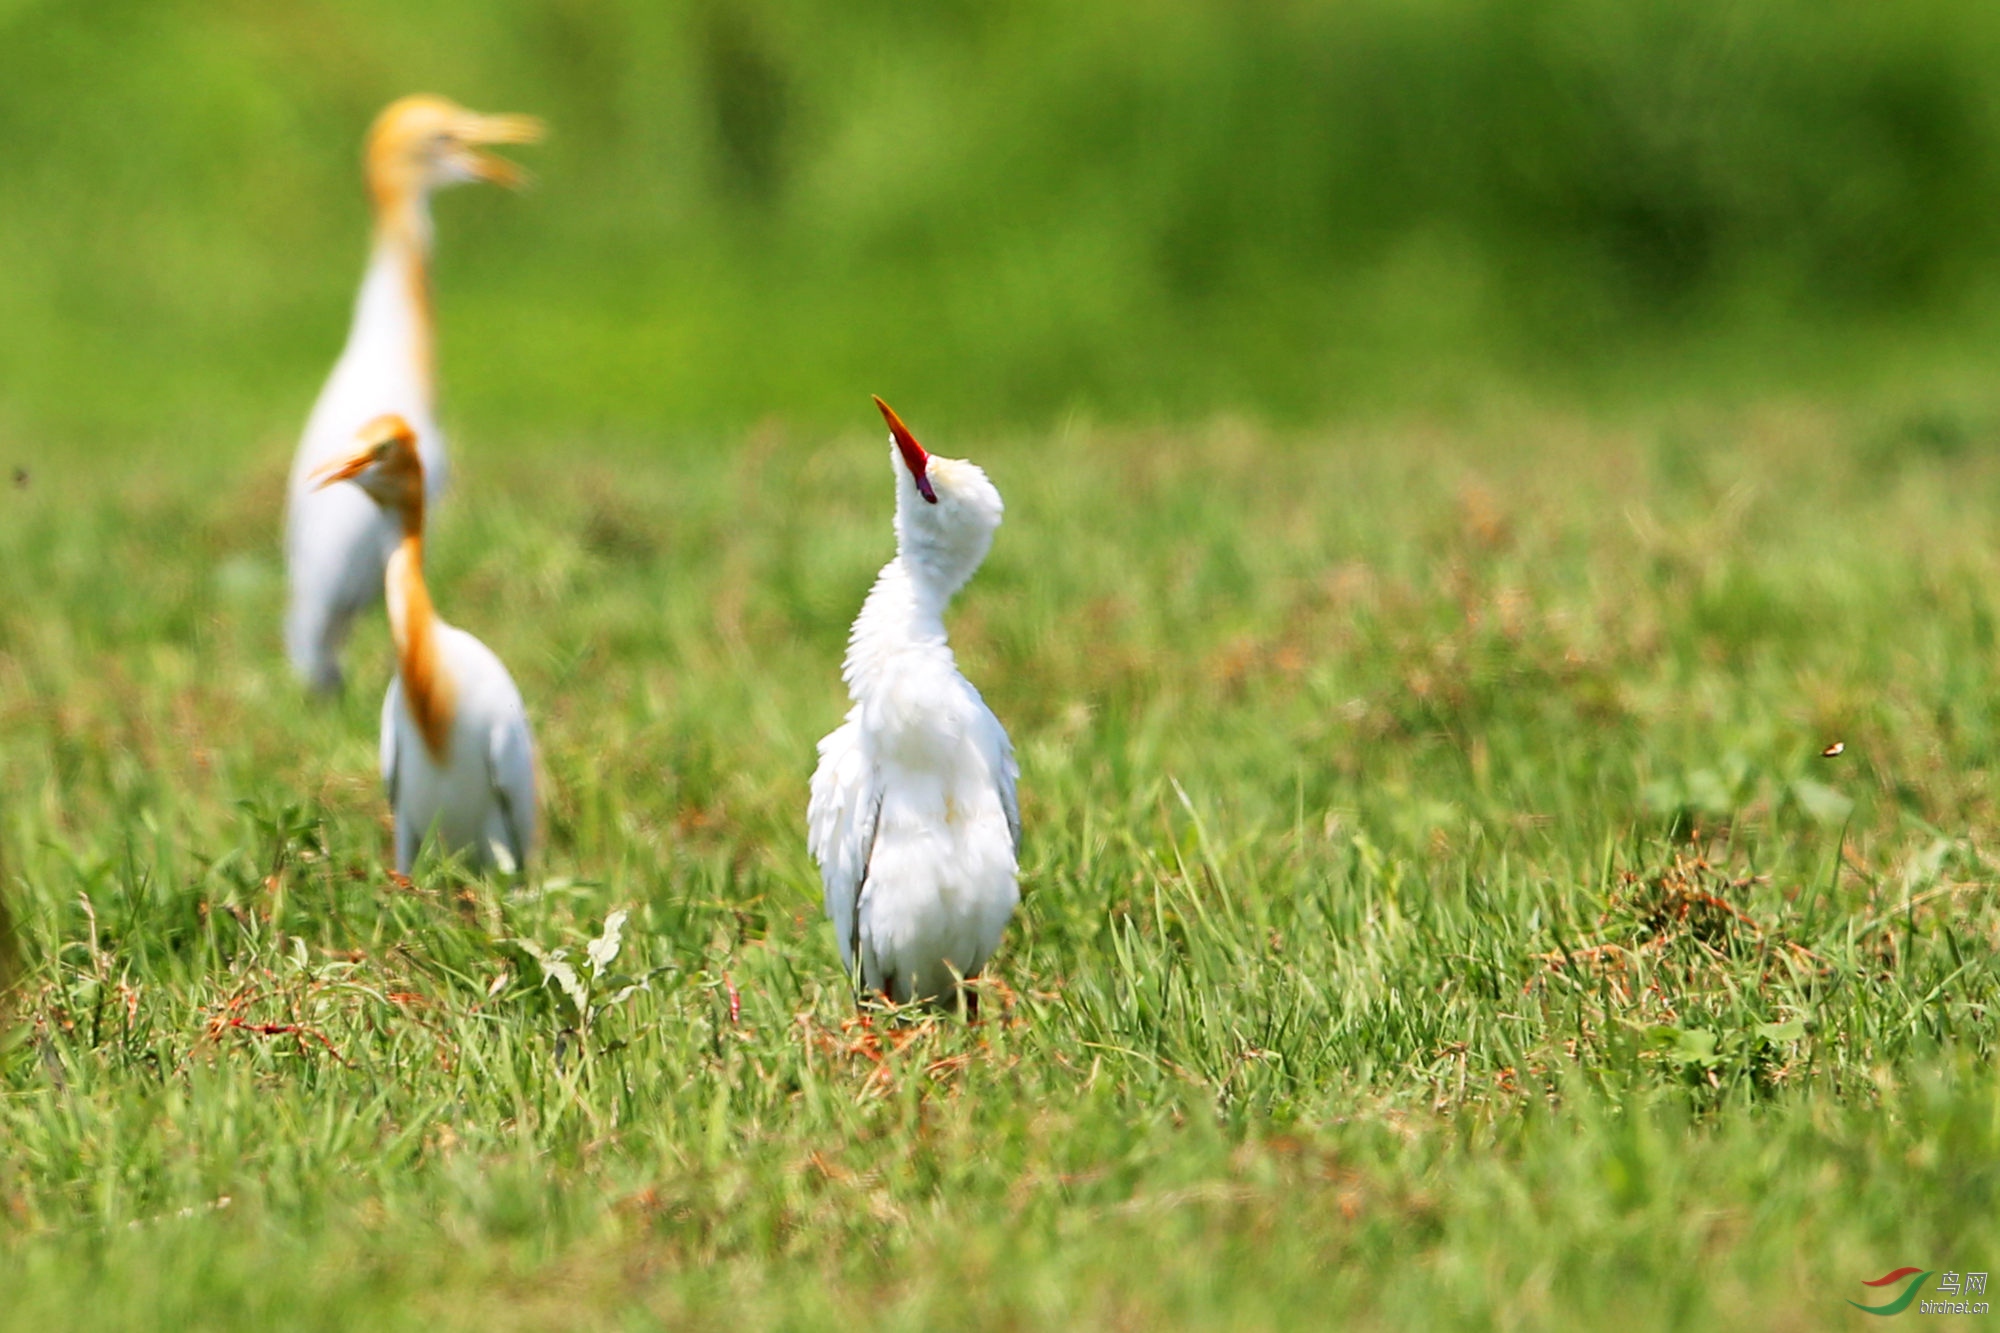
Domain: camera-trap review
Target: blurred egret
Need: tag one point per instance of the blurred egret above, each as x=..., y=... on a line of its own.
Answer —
x=336, y=543
x=913, y=817
x=457, y=758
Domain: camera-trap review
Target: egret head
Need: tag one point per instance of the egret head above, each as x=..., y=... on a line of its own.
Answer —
x=423, y=143
x=385, y=464
x=946, y=509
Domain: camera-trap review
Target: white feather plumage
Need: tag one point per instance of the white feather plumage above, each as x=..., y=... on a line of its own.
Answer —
x=480, y=800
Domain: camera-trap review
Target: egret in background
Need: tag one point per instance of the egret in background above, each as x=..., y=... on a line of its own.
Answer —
x=336, y=543
x=457, y=757
x=913, y=817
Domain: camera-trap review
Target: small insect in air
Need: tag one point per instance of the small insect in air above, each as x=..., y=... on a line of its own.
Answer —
x=1833, y=751
x=20, y=479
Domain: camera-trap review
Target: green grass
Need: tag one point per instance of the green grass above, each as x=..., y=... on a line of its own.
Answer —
x=1437, y=913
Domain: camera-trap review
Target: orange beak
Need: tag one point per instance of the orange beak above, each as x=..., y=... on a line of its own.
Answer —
x=343, y=469
x=482, y=131
x=914, y=457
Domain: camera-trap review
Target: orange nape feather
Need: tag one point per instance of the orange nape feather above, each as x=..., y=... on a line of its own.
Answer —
x=428, y=688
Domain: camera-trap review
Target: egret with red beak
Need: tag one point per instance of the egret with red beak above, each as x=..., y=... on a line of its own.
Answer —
x=336, y=542
x=913, y=817
x=457, y=757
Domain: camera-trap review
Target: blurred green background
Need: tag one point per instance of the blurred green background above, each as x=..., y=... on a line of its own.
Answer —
x=1002, y=214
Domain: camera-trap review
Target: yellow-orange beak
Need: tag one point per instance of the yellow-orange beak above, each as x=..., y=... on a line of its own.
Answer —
x=485, y=131
x=914, y=457
x=343, y=469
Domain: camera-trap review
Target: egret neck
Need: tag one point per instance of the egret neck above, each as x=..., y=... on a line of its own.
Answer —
x=414, y=623
x=902, y=613
x=394, y=311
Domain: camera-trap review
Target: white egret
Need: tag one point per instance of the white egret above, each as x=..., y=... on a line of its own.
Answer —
x=457, y=757
x=336, y=543
x=913, y=817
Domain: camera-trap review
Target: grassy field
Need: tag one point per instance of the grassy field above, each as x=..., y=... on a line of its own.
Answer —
x=1437, y=911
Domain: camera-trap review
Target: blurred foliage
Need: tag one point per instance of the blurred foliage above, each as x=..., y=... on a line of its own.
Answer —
x=1007, y=212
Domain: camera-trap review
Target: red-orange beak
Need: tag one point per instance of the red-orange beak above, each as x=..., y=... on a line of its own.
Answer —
x=914, y=457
